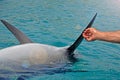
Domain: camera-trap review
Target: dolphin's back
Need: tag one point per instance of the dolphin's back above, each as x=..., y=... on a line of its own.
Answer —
x=33, y=53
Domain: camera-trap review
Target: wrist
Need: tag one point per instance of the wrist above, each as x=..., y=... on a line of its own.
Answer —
x=99, y=35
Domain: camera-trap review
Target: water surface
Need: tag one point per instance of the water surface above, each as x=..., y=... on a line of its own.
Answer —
x=59, y=23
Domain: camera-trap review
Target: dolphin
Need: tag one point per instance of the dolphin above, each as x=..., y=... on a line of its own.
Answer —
x=29, y=56
x=29, y=53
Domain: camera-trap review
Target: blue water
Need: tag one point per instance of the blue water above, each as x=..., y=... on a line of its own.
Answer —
x=59, y=23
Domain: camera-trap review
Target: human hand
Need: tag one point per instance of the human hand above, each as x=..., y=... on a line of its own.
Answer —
x=90, y=34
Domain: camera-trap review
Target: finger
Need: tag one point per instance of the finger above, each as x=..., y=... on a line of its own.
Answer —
x=88, y=33
x=84, y=35
x=88, y=39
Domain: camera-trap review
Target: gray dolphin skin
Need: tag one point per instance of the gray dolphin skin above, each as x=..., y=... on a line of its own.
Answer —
x=23, y=39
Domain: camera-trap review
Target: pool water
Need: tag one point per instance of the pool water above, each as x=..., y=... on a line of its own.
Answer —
x=59, y=23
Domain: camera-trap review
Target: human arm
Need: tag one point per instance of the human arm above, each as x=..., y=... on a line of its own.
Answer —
x=92, y=34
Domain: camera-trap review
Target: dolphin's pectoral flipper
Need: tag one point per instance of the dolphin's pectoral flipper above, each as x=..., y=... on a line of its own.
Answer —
x=22, y=38
x=80, y=38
